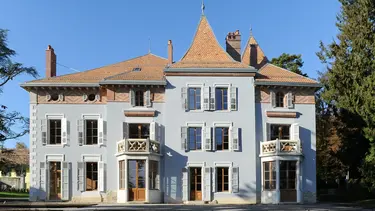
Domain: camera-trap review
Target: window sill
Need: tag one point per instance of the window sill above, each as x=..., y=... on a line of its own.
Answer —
x=223, y=192
x=54, y=145
x=195, y=111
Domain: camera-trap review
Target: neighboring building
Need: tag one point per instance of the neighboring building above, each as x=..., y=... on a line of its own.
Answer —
x=216, y=125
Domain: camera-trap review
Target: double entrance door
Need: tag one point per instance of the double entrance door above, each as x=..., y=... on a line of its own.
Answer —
x=137, y=180
x=55, y=180
x=288, y=181
x=195, y=184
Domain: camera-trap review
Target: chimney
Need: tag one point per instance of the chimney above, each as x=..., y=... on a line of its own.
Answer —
x=170, y=52
x=50, y=62
x=254, y=55
x=233, y=45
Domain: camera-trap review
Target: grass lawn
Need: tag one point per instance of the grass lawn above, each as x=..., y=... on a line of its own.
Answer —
x=13, y=195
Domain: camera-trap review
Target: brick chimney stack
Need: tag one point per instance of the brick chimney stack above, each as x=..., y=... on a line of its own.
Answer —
x=170, y=52
x=233, y=45
x=50, y=62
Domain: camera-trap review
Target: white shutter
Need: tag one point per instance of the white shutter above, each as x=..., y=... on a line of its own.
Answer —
x=44, y=129
x=212, y=100
x=61, y=97
x=101, y=177
x=289, y=97
x=64, y=131
x=152, y=131
x=184, y=140
x=65, y=181
x=97, y=97
x=233, y=98
x=85, y=97
x=43, y=180
x=148, y=98
x=80, y=128
x=214, y=179
x=184, y=98
x=206, y=98
x=235, y=139
x=267, y=135
x=125, y=128
x=158, y=132
x=100, y=131
x=207, y=135
x=213, y=138
x=185, y=184
x=273, y=98
x=207, y=184
x=235, y=185
x=81, y=176
x=132, y=97
x=294, y=131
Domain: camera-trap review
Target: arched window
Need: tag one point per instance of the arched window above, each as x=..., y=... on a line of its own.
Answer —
x=139, y=98
x=280, y=99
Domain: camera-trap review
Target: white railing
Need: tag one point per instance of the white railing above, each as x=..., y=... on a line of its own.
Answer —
x=138, y=145
x=280, y=147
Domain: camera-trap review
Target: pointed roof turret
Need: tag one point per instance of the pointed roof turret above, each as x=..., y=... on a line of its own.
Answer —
x=206, y=52
x=253, y=55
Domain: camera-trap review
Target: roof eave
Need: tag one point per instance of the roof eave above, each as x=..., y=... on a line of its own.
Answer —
x=134, y=82
x=212, y=70
x=24, y=85
x=275, y=83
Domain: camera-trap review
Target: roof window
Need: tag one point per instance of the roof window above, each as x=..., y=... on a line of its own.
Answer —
x=136, y=69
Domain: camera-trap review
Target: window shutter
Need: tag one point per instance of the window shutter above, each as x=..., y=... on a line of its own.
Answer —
x=212, y=100
x=184, y=98
x=235, y=139
x=235, y=185
x=208, y=142
x=152, y=131
x=273, y=98
x=214, y=179
x=81, y=176
x=185, y=184
x=43, y=180
x=267, y=136
x=233, y=98
x=294, y=131
x=61, y=97
x=206, y=98
x=85, y=97
x=184, y=138
x=100, y=131
x=290, y=99
x=148, y=98
x=158, y=132
x=132, y=97
x=44, y=129
x=207, y=184
x=157, y=181
x=64, y=131
x=101, y=176
x=65, y=181
x=97, y=97
x=80, y=128
x=125, y=128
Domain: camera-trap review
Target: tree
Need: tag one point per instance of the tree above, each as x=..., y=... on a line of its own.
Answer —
x=290, y=62
x=350, y=62
x=8, y=71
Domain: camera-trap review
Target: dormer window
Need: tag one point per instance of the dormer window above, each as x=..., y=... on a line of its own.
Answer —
x=280, y=99
x=136, y=69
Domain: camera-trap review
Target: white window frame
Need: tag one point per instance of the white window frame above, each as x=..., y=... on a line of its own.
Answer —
x=90, y=117
x=222, y=124
x=223, y=85
x=51, y=116
x=196, y=124
x=268, y=128
x=195, y=85
x=229, y=165
x=91, y=158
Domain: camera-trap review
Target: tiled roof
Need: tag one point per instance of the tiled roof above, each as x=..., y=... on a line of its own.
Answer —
x=273, y=73
x=206, y=52
x=151, y=69
x=246, y=55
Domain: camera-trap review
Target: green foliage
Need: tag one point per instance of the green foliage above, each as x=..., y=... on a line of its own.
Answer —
x=8, y=71
x=350, y=76
x=290, y=62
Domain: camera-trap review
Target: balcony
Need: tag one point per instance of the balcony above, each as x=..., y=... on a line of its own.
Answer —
x=138, y=146
x=280, y=147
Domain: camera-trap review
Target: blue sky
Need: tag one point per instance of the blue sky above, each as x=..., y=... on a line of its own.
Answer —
x=88, y=34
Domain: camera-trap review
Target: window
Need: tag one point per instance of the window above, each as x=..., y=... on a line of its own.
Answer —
x=194, y=98
x=136, y=69
x=55, y=131
x=54, y=97
x=280, y=99
x=281, y=132
x=91, y=97
x=153, y=173
x=139, y=98
x=221, y=95
x=91, y=176
x=222, y=175
x=91, y=132
x=139, y=131
x=195, y=138
x=222, y=138
x=121, y=167
x=287, y=174
x=269, y=175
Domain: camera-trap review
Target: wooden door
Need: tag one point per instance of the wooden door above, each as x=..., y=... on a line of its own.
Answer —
x=55, y=180
x=288, y=192
x=195, y=184
x=136, y=180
